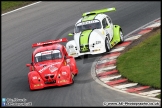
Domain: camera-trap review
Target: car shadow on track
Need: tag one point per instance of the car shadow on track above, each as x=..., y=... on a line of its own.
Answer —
x=90, y=58
x=52, y=87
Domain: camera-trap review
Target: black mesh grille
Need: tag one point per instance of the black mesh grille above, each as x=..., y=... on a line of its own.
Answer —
x=84, y=48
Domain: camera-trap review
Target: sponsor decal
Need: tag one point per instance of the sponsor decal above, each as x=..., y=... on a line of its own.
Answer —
x=49, y=51
x=62, y=81
x=58, y=47
x=41, y=70
x=72, y=53
x=103, y=32
x=50, y=67
x=48, y=74
x=35, y=77
x=88, y=22
x=96, y=50
x=113, y=44
x=64, y=73
x=46, y=52
x=36, y=85
x=68, y=60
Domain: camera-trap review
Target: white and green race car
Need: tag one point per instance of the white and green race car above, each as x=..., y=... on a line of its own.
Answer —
x=94, y=33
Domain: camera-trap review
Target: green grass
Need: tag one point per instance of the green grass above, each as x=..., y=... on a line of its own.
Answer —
x=11, y=5
x=141, y=64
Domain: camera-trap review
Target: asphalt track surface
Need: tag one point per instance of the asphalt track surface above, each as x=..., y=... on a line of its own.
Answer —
x=54, y=20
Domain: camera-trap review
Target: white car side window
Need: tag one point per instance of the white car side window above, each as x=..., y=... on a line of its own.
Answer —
x=104, y=23
x=109, y=19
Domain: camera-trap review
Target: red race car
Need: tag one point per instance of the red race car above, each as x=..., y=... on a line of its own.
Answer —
x=51, y=65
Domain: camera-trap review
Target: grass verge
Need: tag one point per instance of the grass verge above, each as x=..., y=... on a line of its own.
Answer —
x=141, y=64
x=11, y=5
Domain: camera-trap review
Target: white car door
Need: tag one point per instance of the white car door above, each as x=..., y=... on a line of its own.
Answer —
x=108, y=28
x=111, y=26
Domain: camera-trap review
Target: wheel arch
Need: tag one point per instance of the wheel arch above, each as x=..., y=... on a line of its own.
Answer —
x=116, y=31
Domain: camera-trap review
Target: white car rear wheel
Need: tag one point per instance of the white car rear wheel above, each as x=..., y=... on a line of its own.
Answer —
x=121, y=36
x=107, y=45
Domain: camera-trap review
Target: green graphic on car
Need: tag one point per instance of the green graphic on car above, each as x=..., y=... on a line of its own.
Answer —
x=94, y=33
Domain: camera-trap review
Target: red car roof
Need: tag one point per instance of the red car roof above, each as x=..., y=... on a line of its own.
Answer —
x=48, y=47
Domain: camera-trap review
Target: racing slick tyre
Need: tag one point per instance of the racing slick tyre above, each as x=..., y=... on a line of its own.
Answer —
x=107, y=45
x=121, y=36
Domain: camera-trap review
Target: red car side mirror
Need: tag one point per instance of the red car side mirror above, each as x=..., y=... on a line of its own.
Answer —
x=27, y=65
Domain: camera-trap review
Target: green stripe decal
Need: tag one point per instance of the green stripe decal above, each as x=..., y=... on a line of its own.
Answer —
x=84, y=38
x=90, y=17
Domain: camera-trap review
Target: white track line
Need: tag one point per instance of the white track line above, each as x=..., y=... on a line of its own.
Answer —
x=123, y=86
x=141, y=27
x=20, y=8
x=150, y=92
x=110, y=58
x=153, y=25
x=106, y=79
x=106, y=60
x=133, y=37
x=153, y=95
x=117, y=49
x=105, y=69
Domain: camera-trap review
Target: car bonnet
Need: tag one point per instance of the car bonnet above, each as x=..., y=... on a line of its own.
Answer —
x=48, y=68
